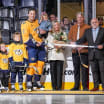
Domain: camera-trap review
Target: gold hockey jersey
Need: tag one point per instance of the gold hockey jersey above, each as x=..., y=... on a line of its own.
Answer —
x=4, y=63
x=29, y=29
x=18, y=52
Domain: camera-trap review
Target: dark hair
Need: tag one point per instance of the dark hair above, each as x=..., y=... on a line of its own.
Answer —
x=31, y=9
x=16, y=33
x=64, y=18
x=100, y=18
x=52, y=14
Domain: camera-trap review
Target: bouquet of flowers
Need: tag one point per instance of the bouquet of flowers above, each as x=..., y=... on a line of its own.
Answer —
x=60, y=37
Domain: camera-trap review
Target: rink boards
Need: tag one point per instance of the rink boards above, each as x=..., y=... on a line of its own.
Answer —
x=68, y=80
x=50, y=92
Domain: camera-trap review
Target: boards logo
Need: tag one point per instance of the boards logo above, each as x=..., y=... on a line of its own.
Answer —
x=68, y=72
x=5, y=61
x=18, y=52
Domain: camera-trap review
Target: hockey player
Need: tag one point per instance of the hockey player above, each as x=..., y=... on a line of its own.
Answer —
x=36, y=50
x=4, y=66
x=18, y=58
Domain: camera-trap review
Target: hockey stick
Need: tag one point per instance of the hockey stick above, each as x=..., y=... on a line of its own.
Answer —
x=84, y=65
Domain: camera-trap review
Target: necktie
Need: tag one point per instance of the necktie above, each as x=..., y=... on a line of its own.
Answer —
x=94, y=35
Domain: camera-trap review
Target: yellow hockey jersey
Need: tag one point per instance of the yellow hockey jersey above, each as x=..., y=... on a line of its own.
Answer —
x=4, y=63
x=18, y=52
x=29, y=28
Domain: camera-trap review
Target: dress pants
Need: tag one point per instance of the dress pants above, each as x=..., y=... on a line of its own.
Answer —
x=56, y=69
x=77, y=60
x=97, y=67
x=4, y=77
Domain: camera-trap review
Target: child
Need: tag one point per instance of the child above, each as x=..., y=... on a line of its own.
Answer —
x=45, y=24
x=4, y=66
x=18, y=59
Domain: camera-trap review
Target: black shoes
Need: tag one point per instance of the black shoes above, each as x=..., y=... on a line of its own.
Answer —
x=77, y=89
x=85, y=89
x=94, y=89
x=40, y=86
x=74, y=89
x=12, y=89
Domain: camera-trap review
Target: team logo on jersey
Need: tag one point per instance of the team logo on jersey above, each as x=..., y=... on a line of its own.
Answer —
x=5, y=61
x=18, y=52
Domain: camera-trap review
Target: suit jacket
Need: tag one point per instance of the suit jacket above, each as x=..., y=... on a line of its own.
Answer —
x=73, y=35
x=88, y=37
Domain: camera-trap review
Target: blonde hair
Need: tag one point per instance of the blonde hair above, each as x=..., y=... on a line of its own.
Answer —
x=42, y=16
x=53, y=23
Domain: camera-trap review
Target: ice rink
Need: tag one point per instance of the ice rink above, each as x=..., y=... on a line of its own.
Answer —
x=51, y=99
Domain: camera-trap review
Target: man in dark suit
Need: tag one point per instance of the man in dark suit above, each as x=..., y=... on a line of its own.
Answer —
x=95, y=37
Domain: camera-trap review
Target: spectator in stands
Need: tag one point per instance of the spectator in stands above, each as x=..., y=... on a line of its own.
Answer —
x=101, y=24
x=52, y=17
x=73, y=22
x=56, y=55
x=65, y=25
x=76, y=32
